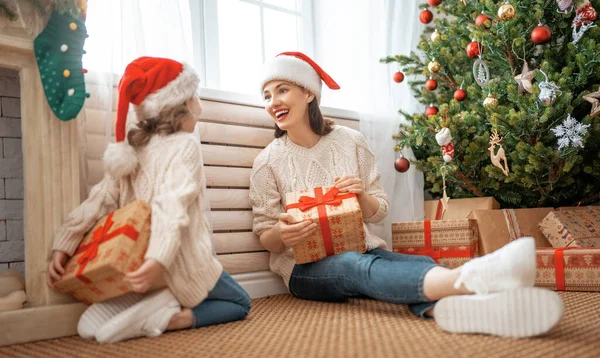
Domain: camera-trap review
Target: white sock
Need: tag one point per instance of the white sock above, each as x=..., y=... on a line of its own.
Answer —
x=509, y=267
x=99, y=313
x=149, y=317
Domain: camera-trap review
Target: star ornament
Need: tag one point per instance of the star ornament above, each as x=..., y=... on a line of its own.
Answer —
x=594, y=99
x=524, y=79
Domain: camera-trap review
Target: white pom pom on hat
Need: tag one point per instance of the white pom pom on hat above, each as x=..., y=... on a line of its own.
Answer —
x=299, y=69
x=150, y=84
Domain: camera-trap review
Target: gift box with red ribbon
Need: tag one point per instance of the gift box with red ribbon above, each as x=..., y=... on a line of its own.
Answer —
x=568, y=269
x=449, y=242
x=572, y=228
x=113, y=248
x=339, y=218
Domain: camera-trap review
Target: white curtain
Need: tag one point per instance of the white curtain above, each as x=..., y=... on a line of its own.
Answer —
x=119, y=32
x=350, y=38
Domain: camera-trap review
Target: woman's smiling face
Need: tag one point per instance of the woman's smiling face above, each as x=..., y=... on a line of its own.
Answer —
x=287, y=103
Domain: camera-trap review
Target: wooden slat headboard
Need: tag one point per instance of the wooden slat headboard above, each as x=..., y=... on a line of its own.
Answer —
x=232, y=134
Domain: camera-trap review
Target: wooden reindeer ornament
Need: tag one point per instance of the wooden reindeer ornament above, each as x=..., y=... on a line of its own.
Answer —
x=495, y=139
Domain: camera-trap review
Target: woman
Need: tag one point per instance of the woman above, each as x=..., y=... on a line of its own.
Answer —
x=309, y=152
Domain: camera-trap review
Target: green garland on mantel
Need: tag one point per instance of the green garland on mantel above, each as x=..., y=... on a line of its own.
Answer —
x=45, y=7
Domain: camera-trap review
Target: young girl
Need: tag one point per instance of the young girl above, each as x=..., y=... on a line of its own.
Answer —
x=309, y=152
x=160, y=163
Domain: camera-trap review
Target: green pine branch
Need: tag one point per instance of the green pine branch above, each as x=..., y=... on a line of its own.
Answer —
x=540, y=174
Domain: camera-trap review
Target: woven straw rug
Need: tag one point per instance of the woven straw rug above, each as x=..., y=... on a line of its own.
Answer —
x=283, y=326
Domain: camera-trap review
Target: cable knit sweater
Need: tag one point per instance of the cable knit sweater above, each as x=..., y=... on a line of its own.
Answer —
x=284, y=167
x=170, y=178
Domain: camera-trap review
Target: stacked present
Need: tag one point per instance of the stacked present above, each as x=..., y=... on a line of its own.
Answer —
x=499, y=227
x=446, y=235
x=567, y=240
x=449, y=242
x=113, y=248
x=338, y=216
x=573, y=261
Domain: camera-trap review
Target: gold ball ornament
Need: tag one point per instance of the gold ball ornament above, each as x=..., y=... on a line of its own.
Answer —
x=433, y=66
x=490, y=102
x=506, y=12
x=66, y=73
x=436, y=36
x=73, y=26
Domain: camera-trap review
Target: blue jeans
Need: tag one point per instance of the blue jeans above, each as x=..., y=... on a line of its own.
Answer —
x=378, y=274
x=226, y=302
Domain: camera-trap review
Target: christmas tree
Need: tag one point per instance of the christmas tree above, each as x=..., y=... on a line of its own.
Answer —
x=512, y=90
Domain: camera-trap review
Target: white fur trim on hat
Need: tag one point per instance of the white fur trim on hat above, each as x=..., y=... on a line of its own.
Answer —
x=176, y=92
x=443, y=137
x=292, y=69
x=120, y=159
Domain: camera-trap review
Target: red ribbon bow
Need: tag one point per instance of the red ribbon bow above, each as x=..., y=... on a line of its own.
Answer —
x=329, y=198
x=320, y=201
x=101, y=235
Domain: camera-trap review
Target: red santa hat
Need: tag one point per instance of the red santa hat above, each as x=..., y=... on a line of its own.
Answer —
x=150, y=84
x=299, y=69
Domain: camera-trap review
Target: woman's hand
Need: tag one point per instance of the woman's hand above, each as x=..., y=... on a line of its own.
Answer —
x=351, y=184
x=57, y=267
x=291, y=232
x=354, y=184
x=147, y=274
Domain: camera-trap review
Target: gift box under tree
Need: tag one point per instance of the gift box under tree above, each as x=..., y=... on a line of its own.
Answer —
x=568, y=269
x=338, y=216
x=499, y=227
x=457, y=208
x=449, y=242
x=572, y=228
x=113, y=248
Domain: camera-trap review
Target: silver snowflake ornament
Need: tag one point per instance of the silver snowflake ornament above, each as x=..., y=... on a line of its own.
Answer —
x=570, y=133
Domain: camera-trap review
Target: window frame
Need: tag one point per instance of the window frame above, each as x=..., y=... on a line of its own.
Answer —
x=204, y=21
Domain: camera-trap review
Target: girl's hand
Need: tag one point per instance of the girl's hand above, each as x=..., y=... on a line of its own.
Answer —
x=350, y=184
x=57, y=267
x=147, y=274
x=290, y=232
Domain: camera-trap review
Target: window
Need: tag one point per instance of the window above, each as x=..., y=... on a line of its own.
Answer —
x=227, y=41
x=121, y=31
x=233, y=38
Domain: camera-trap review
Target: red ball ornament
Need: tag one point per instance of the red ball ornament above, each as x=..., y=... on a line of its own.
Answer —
x=460, y=95
x=431, y=84
x=431, y=110
x=541, y=34
x=434, y=2
x=473, y=49
x=401, y=164
x=481, y=19
x=426, y=16
x=398, y=77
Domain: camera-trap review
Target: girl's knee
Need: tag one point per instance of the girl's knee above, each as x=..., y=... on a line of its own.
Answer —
x=246, y=303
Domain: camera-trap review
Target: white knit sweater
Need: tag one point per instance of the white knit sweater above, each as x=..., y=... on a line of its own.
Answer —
x=169, y=178
x=284, y=167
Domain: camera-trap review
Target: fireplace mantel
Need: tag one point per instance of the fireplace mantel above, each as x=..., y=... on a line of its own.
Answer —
x=51, y=182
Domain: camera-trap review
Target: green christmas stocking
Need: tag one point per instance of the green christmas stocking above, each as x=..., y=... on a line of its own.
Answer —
x=58, y=51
